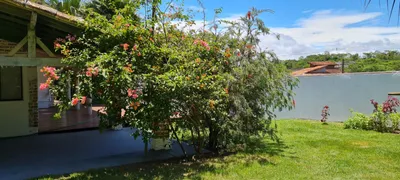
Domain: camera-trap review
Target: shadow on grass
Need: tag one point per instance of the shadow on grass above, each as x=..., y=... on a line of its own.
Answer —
x=258, y=151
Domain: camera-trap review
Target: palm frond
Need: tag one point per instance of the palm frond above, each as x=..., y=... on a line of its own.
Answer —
x=390, y=4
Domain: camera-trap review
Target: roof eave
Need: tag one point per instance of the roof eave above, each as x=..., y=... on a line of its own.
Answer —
x=46, y=11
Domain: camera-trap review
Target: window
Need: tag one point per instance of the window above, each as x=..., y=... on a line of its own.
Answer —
x=10, y=83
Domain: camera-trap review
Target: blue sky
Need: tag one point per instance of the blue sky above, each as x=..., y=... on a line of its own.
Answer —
x=315, y=26
x=288, y=11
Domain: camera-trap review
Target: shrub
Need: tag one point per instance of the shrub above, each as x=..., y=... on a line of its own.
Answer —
x=325, y=114
x=359, y=121
x=383, y=119
x=224, y=86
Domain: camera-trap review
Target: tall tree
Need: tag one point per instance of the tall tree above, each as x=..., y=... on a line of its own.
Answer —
x=66, y=6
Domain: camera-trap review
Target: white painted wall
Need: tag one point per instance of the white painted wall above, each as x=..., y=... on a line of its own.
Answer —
x=14, y=115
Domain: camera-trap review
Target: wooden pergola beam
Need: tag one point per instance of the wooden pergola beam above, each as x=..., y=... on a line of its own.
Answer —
x=18, y=46
x=44, y=47
x=24, y=61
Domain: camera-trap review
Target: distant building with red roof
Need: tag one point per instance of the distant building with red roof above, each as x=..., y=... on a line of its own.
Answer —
x=323, y=67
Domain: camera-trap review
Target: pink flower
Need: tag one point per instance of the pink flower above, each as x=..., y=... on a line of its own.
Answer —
x=125, y=46
x=57, y=45
x=135, y=47
x=202, y=43
x=88, y=73
x=131, y=92
x=95, y=71
x=70, y=38
x=49, y=72
x=43, y=86
x=74, y=101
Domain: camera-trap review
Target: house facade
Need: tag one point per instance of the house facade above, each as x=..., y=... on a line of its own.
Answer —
x=323, y=67
x=27, y=33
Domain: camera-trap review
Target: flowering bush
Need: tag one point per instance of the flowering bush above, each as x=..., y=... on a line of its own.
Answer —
x=325, y=114
x=383, y=119
x=223, y=89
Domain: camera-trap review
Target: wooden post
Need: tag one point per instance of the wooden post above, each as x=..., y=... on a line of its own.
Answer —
x=32, y=36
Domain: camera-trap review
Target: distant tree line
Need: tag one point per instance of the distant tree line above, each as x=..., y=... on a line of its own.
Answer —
x=367, y=62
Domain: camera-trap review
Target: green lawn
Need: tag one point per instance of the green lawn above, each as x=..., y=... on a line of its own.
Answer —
x=309, y=150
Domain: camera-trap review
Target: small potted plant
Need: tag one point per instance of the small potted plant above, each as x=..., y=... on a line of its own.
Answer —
x=325, y=114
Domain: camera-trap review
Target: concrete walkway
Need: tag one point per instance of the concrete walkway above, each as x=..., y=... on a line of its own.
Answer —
x=33, y=156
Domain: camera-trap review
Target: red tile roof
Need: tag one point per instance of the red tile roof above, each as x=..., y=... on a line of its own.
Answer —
x=307, y=70
x=321, y=63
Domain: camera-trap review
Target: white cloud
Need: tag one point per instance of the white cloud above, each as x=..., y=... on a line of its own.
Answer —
x=330, y=30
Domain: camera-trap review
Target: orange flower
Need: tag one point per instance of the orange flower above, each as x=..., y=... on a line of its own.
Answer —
x=125, y=46
x=151, y=39
x=135, y=47
x=48, y=81
x=139, y=54
x=156, y=68
x=57, y=45
x=74, y=101
x=226, y=90
x=249, y=46
x=212, y=104
x=198, y=60
x=135, y=105
x=128, y=69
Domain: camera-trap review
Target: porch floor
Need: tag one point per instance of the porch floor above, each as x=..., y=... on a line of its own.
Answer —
x=72, y=120
x=38, y=155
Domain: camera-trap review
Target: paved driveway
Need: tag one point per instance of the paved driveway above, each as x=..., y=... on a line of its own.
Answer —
x=33, y=156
